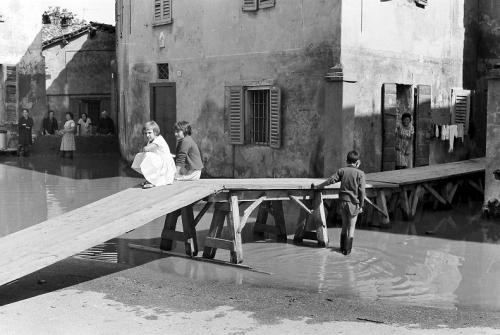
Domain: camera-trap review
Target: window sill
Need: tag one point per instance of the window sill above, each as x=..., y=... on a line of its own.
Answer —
x=161, y=23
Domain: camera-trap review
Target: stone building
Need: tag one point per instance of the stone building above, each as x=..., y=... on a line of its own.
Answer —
x=279, y=88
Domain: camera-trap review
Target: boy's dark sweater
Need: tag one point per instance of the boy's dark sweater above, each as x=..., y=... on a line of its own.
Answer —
x=188, y=155
x=352, y=184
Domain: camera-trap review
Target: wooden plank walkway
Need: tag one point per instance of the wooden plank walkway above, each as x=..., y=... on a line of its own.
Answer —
x=31, y=249
x=36, y=247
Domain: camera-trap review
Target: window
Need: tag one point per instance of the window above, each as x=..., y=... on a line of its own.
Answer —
x=253, y=5
x=421, y=3
x=162, y=70
x=162, y=12
x=254, y=115
x=460, y=107
x=11, y=94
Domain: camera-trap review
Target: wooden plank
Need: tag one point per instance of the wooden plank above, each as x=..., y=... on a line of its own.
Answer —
x=435, y=193
x=219, y=243
x=233, y=224
x=300, y=203
x=173, y=235
x=379, y=209
x=247, y=212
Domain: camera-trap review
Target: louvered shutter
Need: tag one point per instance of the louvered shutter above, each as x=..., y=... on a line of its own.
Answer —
x=162, y=12
x=423, y=125
x=389, y=119
x=11, y=94
x=460, y=106
x=266, y=3
x=236, y=118
x=250, y=5
x=275, y=117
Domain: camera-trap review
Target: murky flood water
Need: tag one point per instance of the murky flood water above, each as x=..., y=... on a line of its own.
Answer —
x=444, y=259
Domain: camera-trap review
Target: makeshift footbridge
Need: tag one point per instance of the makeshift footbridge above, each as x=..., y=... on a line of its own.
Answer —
x=233, y=202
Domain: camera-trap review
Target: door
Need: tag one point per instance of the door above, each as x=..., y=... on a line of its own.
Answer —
x=389, y=122
x=423, y=124
x=163, y=110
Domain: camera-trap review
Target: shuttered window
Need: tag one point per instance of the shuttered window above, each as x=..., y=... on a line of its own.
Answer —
x=11, y=94
x=266, y=3
x=254, y=115
x=250, y=5
x=460, y=107
x=162, y=12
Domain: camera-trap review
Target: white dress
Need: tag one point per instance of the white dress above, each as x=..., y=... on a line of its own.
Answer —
x=85, y=127
x=68, y=138
x=158, y=167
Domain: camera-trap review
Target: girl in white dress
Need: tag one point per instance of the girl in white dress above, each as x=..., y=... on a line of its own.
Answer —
x=155, y=162
x=84, y=125
x=68, y=136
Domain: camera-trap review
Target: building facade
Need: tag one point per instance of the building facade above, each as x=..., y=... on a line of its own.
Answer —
x=286, y=88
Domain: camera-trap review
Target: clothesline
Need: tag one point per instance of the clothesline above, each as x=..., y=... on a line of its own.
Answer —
x=448, y=132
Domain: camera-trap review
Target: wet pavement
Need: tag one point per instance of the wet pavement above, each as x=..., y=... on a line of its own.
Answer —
x=446, y=259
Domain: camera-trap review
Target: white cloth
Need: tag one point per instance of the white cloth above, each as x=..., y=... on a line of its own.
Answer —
x=68, y=138
x=453, y=132
x=189, y=175
x=157, y=166
x=85, y=127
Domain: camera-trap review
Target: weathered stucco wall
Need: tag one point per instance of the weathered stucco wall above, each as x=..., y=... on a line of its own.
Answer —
x=492, y=186
x=398, y=42
x=211, y=45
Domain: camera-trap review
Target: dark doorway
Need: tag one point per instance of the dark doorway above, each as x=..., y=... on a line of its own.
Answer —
x=163, y=110
x=92, y=108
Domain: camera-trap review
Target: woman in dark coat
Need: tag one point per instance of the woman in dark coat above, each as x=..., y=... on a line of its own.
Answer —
x=25, y=124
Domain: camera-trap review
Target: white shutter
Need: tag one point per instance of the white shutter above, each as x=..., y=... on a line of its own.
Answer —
x=275, y=118
x=460, y=107
x=235, y=112
x=250, y=5
x=162, y=12
x=266, y=3
x=11, y=94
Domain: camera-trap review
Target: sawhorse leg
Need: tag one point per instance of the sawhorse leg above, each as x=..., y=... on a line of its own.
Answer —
x=188, y=236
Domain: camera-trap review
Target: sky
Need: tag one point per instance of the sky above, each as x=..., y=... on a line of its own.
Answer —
x=102, y=11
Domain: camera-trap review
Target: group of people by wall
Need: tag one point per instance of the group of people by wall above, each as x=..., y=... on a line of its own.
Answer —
x=70, y=129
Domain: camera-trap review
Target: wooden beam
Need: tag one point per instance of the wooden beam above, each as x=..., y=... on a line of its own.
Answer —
x=415, y=199
x=300, y=203
x=202, y=212
x=380, y=210
x=405, y=203
x=173, y=235
x=435, y=194
x=264, y=228
x=247, y=212
x=233, y=224
x=475, y=186
x=216, y=227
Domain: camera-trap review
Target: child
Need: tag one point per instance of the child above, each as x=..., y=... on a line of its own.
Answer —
x=404, y=135
x=155, y=162
x=187, y=157
x=352, y=197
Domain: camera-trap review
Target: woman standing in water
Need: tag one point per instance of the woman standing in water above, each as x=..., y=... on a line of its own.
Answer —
x=25, y=125
x=404, y=137
x=68, y=138
x=84, y=125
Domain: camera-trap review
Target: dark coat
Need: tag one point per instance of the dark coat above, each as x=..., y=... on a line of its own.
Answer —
x=49, y=126
x=24, y=127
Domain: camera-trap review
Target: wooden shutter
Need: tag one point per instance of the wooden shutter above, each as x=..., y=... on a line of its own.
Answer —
x=250, y=5
x=389, y=121
x=423, y=125
x=460, y=107
x=11, y=94
x=275, y=117
x=266, y=3
x=162, y=12
x=236, y=117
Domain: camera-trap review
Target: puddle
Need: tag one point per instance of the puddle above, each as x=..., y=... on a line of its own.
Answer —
x=444, y=259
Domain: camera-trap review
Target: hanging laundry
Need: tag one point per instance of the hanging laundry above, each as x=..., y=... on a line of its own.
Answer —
x=445, y=135
x=460, y=131
x=452, y=133
x=436, y=130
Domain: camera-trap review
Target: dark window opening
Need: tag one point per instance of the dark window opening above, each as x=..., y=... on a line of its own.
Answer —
x=163, y=71
x=259, y=115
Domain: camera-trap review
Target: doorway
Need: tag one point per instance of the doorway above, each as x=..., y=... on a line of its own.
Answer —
x=163, y=110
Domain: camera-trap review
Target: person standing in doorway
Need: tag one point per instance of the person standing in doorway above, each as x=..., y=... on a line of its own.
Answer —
x=49, y=124
x=404, y=138
x=187, y=156
x=68, y=136
x=24, y=125
x=106, y=125
x=84, y=125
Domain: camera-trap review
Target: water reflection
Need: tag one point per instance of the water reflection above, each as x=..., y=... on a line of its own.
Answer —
x=443, y=259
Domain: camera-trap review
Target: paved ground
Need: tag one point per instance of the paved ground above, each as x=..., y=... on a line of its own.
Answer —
x=143, y=300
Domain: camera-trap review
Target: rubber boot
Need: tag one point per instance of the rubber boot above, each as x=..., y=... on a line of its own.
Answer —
x=348, y=245
x=343, y=237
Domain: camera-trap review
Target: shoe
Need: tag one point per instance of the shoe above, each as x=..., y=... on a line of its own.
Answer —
x=342, y=242
x=147, y=185
x=348, y=245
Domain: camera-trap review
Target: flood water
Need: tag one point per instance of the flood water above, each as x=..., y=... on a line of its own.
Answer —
x=445, y=259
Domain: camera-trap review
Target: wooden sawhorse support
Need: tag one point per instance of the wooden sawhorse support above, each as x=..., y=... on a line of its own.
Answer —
x=315, y=217
x=188, y=235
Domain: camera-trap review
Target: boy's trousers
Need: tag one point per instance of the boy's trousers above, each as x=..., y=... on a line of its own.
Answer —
x=349, y=213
